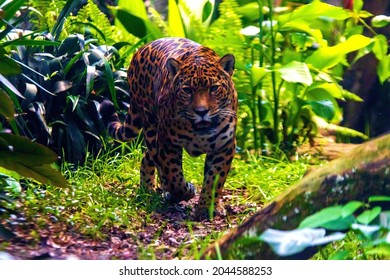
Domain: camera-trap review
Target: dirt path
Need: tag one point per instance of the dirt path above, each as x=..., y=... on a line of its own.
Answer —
x=171, y=234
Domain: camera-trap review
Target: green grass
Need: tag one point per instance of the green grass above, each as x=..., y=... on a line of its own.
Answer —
x=105, y=194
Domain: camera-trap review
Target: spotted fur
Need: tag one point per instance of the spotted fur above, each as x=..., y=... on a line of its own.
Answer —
x=181, y=96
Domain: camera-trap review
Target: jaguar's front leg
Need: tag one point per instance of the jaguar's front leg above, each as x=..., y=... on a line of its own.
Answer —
x=171, y=173
x=216, y=169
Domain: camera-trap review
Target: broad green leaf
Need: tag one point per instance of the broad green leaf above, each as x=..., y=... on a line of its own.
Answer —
x=136, y=7
x=6, y=106
x=322, y=108
x=351, y=207
x=383, y=69
x=29, y=159
x=380, y=21
x=257, y=74
x=129, y=20
x=250, y=11
x=29, y=151
x=344, y=223
x=207, y=11
x=296, y=72
x=357, y=6
x=365, y=14
x=369, y=215
x=315, y=10
x=322, y=217
x=303, y=26
x=328, y=57
x=175, y=22
x=380, y=47
x=333, y=89
x=323, y=104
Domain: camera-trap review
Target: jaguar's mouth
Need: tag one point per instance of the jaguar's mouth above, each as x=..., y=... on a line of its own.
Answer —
x=203, y=126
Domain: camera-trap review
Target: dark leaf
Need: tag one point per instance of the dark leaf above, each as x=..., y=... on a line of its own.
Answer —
x=27, y=42
x=207, y=10
x=10, y=86
x=322, y=108
x=129, y=21
x=90, y=79
x=29, y=159
x=6, y=106
x=62, y=86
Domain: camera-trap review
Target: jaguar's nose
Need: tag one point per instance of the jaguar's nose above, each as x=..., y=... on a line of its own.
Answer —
x=201, y=111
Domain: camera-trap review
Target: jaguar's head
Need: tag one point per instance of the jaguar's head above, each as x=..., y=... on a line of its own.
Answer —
x=203, y=90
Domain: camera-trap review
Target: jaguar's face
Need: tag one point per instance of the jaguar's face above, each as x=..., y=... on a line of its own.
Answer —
x=203, y=91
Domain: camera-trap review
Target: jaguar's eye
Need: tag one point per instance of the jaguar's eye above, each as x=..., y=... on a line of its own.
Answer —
x=187, y=90
x=214, y=88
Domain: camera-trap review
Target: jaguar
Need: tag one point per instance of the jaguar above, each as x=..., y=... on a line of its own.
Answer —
x=181, y=96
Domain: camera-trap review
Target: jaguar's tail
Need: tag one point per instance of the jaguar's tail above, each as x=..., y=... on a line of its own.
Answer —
x=125, y=131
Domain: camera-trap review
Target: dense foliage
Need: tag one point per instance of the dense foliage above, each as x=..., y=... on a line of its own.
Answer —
x=290, y=63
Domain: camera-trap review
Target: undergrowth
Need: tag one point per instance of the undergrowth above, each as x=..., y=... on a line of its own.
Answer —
x=105, y=194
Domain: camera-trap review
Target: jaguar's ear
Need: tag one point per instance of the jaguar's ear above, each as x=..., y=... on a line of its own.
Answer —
x=173, y=67
x=227, y=63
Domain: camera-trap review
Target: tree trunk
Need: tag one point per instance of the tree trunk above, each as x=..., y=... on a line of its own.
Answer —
x=359, y=174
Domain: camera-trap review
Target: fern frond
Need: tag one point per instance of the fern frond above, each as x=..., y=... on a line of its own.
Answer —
x=91, y=14
x=49, y=9
x=98, y=18
x=156, y=18
x=224, y=34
